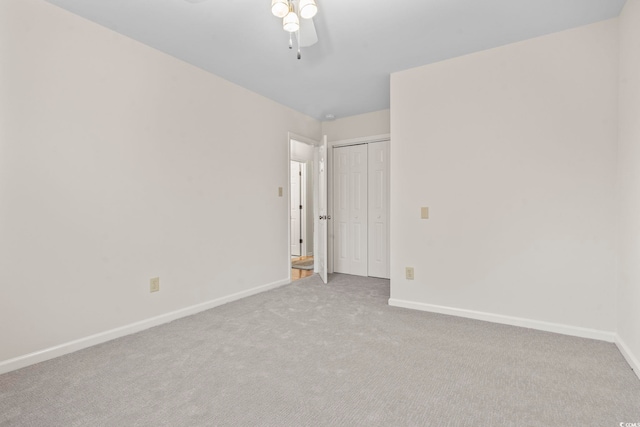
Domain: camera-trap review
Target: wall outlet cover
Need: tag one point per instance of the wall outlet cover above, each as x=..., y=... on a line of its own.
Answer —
x=409, y=273
x=154, y=285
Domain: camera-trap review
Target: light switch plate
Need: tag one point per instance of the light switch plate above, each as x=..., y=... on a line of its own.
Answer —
x=279, y=191
x=154, y=285
x=409, y=273
x=424, y=213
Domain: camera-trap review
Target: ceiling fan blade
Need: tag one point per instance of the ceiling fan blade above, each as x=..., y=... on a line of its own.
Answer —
x=308, y=35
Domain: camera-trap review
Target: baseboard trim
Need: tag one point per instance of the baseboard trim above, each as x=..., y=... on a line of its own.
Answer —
x=628, y=355
x=508, y=320
x=99, y=338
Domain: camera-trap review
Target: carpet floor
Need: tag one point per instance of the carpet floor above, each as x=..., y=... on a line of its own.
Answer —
x=309, y=354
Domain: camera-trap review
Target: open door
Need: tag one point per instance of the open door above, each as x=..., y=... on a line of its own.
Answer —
x=320, y=209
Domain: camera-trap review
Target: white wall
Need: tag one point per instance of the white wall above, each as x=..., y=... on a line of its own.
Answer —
x=119, y=163
x=361, y=125
x=514, y=151
x=629, y=180
x=301, y=152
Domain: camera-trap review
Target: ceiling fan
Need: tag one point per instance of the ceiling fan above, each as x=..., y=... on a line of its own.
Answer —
x=291, y=11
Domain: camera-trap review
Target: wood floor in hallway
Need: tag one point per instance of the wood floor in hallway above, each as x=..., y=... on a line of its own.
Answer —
x=296, y=273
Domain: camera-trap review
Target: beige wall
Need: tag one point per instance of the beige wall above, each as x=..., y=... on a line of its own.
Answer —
x=119, y=163
x=514, y=151
x=629, y=178
x=362, y=125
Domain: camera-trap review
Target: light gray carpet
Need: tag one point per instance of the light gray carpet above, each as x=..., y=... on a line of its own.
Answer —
x=309, y=354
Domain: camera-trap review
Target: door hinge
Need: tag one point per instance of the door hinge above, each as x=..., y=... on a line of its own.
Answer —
x=300, y=206
x=300, y=173
x=300, y=240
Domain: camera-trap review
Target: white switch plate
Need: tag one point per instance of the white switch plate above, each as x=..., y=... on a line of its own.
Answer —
x=424, y=213
x=279, y=191
x=409, y=273
x=154, y=285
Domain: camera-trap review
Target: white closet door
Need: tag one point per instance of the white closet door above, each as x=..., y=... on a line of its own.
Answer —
x=359, y=209
x=379, y=209
x=341, y=210
x=350, y=210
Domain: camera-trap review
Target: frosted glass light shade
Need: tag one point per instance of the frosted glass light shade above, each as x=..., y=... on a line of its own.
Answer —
x=308, y=9
x=279, y=8
x=291, y=23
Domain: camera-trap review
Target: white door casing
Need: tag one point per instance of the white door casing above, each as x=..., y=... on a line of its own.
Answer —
x=378, y=160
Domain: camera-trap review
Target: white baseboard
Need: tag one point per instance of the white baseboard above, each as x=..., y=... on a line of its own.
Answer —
x=628, y=355
x=508, y=320
x=79, y=344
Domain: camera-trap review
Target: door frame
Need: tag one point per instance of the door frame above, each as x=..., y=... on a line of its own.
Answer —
x=295, y=137
x=332, y=145
x=302, y=220
x=304, y=249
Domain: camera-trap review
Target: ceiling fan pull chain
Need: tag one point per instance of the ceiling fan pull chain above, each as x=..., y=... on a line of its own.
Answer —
x=298, y=40
x=290, y=41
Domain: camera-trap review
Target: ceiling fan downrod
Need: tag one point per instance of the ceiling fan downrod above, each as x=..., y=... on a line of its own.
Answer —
x=291, y=12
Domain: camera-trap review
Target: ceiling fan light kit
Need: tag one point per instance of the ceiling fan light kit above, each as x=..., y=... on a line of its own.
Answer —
x=308, y=9
x=291, y=11
x=291, y=23
x=279, y=8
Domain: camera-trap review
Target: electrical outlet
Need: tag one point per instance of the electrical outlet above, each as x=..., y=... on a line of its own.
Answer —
x=154, y=285
x=409, y=273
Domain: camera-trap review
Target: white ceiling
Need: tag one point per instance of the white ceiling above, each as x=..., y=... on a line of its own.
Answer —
x=361, y=41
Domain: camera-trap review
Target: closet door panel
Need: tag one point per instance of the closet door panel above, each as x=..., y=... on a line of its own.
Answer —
x=359, y=209
x=350, y=210
x=341, y=211
x=378, y=233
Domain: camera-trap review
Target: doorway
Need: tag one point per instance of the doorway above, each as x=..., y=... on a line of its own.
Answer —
x=307, y=207
x=301, y=223
x=301, y=207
